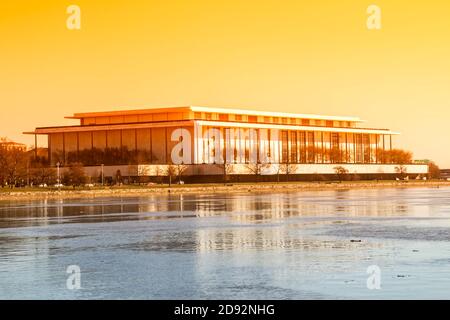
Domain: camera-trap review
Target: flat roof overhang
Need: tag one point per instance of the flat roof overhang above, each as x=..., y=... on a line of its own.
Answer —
x=212, y=110
x=293, y=127
x=189, y=123
x=127, y=112
x=49, y=130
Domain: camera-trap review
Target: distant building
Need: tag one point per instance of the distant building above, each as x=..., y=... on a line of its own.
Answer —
x=9, y=144
x=445, y=173
x=422, y=161
x=206, y=139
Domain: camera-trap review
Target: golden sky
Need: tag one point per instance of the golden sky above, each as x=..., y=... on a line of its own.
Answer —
x=312, y=56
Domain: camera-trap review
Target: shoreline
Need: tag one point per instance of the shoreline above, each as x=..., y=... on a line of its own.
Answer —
x=133, y=191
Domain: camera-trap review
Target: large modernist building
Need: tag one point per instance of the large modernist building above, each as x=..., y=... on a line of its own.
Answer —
x=209, y=139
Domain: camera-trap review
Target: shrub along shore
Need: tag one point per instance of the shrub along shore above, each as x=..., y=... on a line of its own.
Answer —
x=142, y=191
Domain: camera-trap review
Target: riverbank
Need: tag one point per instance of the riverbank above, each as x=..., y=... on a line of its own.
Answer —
x=133, y=191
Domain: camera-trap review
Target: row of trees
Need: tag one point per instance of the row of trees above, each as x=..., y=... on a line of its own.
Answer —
x=311, y=154
x=106, y=156
x=19, y=168
x=396, y=156
x=314, y=154
x=14, y=166
x=341, y=172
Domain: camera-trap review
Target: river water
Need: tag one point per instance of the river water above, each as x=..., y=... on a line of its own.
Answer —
x=296, y=245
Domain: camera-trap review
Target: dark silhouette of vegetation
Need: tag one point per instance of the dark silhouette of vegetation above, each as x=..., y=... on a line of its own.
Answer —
x=341, y=173
x=175, y=171
x=433, y=171
x=107, y=156
x=14, y=167
x=74, y=175
x=396, y=156
x=401, y=171
x=118, y=177
x=287, y=169
x=42, y=174
x=227, y=169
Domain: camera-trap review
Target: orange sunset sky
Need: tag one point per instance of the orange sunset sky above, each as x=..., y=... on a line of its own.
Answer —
x=292, y=56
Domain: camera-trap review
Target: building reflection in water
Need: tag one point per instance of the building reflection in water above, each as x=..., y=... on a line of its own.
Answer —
x=229, y=217
x=213, y=232
x=243, y=208
x=243, y=239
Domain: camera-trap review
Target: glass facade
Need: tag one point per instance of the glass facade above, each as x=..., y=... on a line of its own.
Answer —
x=215, y=137
x=248, y=145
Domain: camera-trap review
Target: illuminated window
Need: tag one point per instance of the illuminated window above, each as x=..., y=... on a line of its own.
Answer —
x=311, y=149
x=366, y=147
x=293, y=153
x=284, y=147
x=302, y=140
x=358, y=148
x=335, y=154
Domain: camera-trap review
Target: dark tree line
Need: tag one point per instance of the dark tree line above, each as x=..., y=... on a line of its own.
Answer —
x=107, y=156
x=19, y=168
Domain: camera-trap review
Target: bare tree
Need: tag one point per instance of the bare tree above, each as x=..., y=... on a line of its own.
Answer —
x=227, y=169
x=433, y=171
x=3, y=166
x=341, y=172
x=143, y=172
x=287, y=168
x=175, y=170
x=278, y=171
x=14, y=163
x=255, y=168
x=118, y=177
x=396, y=156
x=159, y=173
x=179, y=170
x=401, y=171
x=133, y=172
x=75, y=175
x=42, y=174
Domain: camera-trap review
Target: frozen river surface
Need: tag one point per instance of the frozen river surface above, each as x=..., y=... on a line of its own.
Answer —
x=305, y=245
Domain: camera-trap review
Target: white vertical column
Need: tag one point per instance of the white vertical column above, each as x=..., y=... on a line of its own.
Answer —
x=253, y=145
x=263, y=145
x=241, y=146
x=220, y=153
x=199, y=138
x=206, y=146
x=229, y=133
x=275, y=145
x=195, y=143
x=289, y=143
